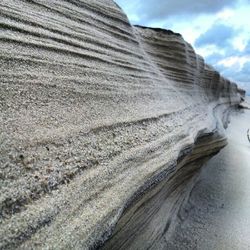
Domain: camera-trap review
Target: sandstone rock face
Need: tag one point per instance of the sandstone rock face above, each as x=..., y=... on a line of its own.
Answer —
x=96, y=116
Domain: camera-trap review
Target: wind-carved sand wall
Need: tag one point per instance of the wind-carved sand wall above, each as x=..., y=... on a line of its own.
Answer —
x=104, y=126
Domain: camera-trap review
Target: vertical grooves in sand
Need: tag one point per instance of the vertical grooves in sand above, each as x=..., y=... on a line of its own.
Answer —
x=94, y=112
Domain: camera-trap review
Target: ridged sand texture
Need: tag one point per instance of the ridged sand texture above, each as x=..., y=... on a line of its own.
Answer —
x=92, y=111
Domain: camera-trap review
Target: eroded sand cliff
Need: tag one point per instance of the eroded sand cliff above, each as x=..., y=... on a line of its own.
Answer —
x=96, y=116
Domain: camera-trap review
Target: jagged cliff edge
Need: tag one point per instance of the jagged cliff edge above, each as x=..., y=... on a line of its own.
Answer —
x=102, y=124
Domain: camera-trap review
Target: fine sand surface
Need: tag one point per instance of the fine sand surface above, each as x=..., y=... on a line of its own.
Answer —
x=217, y=215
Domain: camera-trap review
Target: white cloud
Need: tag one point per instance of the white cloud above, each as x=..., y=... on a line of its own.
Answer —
x=239, y=42
x=236, y=61
x=225, y=14
x=209, y=50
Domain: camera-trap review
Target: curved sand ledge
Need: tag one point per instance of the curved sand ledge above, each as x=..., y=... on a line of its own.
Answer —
x=153, y=216
x=93, y=113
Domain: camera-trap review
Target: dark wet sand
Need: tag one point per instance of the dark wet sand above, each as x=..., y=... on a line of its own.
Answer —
x=217, y=215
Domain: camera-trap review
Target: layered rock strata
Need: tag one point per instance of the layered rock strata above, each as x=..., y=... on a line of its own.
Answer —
x=96, y=116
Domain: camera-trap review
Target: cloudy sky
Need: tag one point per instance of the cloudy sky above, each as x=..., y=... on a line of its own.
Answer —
x=219, y=30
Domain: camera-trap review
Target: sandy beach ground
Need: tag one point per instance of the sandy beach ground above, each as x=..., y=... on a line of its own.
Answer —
x=217, y=215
